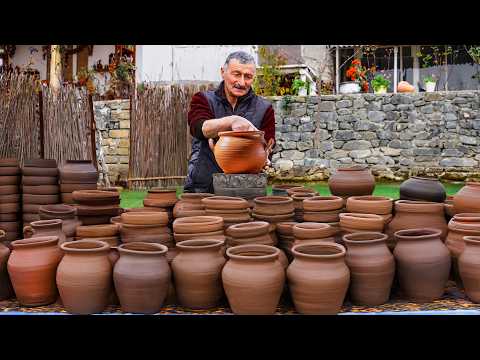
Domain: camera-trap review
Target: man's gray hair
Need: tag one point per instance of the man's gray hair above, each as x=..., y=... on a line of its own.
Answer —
x=242, y=57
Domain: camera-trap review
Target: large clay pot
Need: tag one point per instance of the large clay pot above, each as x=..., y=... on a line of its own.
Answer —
x=45, y=228
x=422, y=189
x=84, y=276
x=6, y=290
x=197, y=273
x=253, y=279
x=413, y=214
x=352, y=181
x=469, y=267
x=467, y=199
x=372, y=267
x=240, y=152
x=63, y=212
x=423, y=264
x=78, y=171
x=142, y=277
x=318, y=278
x=32, y=267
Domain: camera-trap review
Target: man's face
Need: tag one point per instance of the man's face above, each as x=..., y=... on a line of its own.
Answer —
x=238, y=78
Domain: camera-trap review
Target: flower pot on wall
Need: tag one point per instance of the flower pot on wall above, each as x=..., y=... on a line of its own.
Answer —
x=349, y=87
x=380, y=90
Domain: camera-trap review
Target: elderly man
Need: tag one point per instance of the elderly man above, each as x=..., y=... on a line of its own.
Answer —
x=232, y=106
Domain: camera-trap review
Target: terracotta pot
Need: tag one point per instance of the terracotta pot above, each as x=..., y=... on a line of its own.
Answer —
x=281, y=190
x=9, y=170
x=197, y=273
x=372, y=268
x=467, y=199
x=44, y=228
x=40, y=199
x=9, y=180
x=84, y=276
x=422, y=189
x=39, y=180
x=32, y=267
x=69, y=188
x=78, y=171
x=112, y=241
x=411, y=214
x=273, y=218
x=41, y=163
x=146, y=233
x=253, y=279
x=103, y=230
x=300, y=190
x=145, y=209
x=190, y=201
x=469, y=267
x=189, y=213
x=96, y=197
x=312, y=230
x=9, y=189
x=240, y=152
x=39, y=171
x=369, y=204
x=41, y=190
x=225, y=203
x=285, y=228
x=322, y=216
x=405, y=87
x=322, y=203
x=64, y=212
x=273, y=205
x=255, y=232
x=161, y=197
x=142, y=277
x=352, y=181
x=363, y=222
x=145, y=218
x=423, y=264
x=192, y=236
x=6, y=290
x=198, y=224
x=97, y=210
x=318, y=278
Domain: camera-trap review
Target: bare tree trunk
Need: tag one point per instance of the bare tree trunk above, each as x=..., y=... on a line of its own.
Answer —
x=55, y=67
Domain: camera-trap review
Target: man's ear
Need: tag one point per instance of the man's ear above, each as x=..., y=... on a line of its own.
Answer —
x=222, y=71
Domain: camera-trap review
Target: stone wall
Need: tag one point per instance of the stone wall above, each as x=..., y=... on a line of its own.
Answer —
x=396, y=135
x=113, y=127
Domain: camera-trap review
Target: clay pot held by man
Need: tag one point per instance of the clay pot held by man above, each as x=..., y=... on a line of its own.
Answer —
x=469, y=267
x=422, y=189
x=372, y=267
x=318, y=278
x=84, y=276
x=32, y=267
x=6, y=290
x=240, y=152
x=352, y=181
x=142, y=277
x=45, y=228
x=253, y=279
x=423, y=264
x=197, y=273
x=467, y=199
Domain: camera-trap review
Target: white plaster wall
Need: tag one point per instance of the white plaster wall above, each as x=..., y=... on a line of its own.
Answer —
x=23, y=56
x=153, y=62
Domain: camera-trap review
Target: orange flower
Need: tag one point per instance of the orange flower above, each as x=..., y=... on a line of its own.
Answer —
x=356, y=62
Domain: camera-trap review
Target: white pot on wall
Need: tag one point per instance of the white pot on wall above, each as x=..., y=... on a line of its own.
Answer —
x=349, y=87
x=430, y=86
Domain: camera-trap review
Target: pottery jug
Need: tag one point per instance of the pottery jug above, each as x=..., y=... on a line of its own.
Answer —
x=197, y=273
x=142, y=277
x=84, y=276
x=352, y=181
x=45, y=228
x=32, y=267
x=422, y=189
x=467, y=199
x=469, y=267
x=372, y=267
x=422, y=263
x=253, y=279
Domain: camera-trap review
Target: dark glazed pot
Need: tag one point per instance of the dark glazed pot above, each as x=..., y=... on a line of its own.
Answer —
x=352, y=181
x=422, y=189
x=142, y=277
x=423, y=264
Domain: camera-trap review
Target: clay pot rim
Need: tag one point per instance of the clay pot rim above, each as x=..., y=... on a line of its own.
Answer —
x=96, y=194
x=96, y=246
x=158, y=209
x=370, y=198
x=45, y=223
x=241, y=133
x=296, y=250
x=201, y=219
x=378, y=237
x=350, y=215
x=140, y=215
x=418, y=234
x=273, y=200
x=35, y=242
x=251, y=225
x=199, y=244
x=53, y=209
x=467, y=217
x=324, y=198
x=473, y=240
x=271, y=217
x=97, y=226
x=220, y=198
x=302, y=196
x=271, y=252
x=311, y=225
x=138, y=226
x=156, y=248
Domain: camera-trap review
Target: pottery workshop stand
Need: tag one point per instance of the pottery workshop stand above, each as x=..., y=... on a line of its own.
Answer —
x=247, y=186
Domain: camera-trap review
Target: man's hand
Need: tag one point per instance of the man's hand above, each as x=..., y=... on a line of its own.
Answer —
x=241, y=124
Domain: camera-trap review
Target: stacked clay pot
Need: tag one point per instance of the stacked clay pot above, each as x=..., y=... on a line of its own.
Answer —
x=142, y=277
x=42, y=228
x=422, y=263
x=6, y=290
x=313, y=232
x=190, y=204
x=318, y=278
x=40, y=187
x=162, y=198
x=357, y=222
x=422, y=189
x=467, y=199
x=149, y=227
x=66, y=213
x=412, y=214
x=10, y=204
x=76, y=175
x=281, y=190
x=469, y=267
x=254, y=232
x=233, y=210
x=324, y=209
x=285, y=237
x=352, y=181
x=253, y=279
x=108, y=233
x=96, y=207
x=32, y=267
x=372, y=267
x=84, y=276
x=368, y=204
x=197, y=273
x=298, y=198
x=198, y=227
x=273, y=209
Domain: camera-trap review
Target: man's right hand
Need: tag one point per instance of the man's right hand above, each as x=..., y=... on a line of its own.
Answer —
x=241, y=124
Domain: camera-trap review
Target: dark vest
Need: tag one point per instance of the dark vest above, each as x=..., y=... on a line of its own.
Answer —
x=202, y=162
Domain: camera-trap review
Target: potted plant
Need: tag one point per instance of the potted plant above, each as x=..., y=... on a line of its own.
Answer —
x=380, y=84
x=430, y=83
x=300, y=87
x=357, y=74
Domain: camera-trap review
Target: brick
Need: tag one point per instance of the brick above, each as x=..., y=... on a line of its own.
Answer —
x=123, y=159
x=125, y=124
x=124, y=143
x=123, y=151
x=119, y=133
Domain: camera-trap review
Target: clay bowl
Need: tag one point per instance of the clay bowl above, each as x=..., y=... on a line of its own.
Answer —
x=274, y=218
x=322, y=203
x=9, y=171
x=105, y=230
x=311, y=230
x=370, y=222
x=369, y=204
x=181, y=237
x=57, y=210
x=301, y=190
x=285, y=228
x=9, y=189
x=39, y=171
x=273, y=205
x=225, y=203
x=96, y=197
x=323, y=216
x=40, y=163
x=39, y=180
x=145, y=218
x=197, y=224
x=250, y=229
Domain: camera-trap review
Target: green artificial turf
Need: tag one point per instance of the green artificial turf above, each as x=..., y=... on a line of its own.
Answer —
x=132, y=199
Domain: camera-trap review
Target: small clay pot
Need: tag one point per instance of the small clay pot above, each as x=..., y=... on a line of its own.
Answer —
x=322, y=203
x=104, y=230
x=419, y=188
x=39, y=180
x=364, y=222
x=352, y=181
x=198, y=224
x=44, y=228
x=145, y=218
x=225, y=203
x=369, y=204
x=250, y=229
x=273, y=205
x=161, y=197
x=467, y=199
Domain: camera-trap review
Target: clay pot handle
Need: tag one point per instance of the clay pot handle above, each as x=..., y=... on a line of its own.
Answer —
x=28, y=231
x=211, y=144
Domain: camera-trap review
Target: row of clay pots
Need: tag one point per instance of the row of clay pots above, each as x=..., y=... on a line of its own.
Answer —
x=10, y=203
x=96, y=207
x=233, y=210
x=76, y=175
